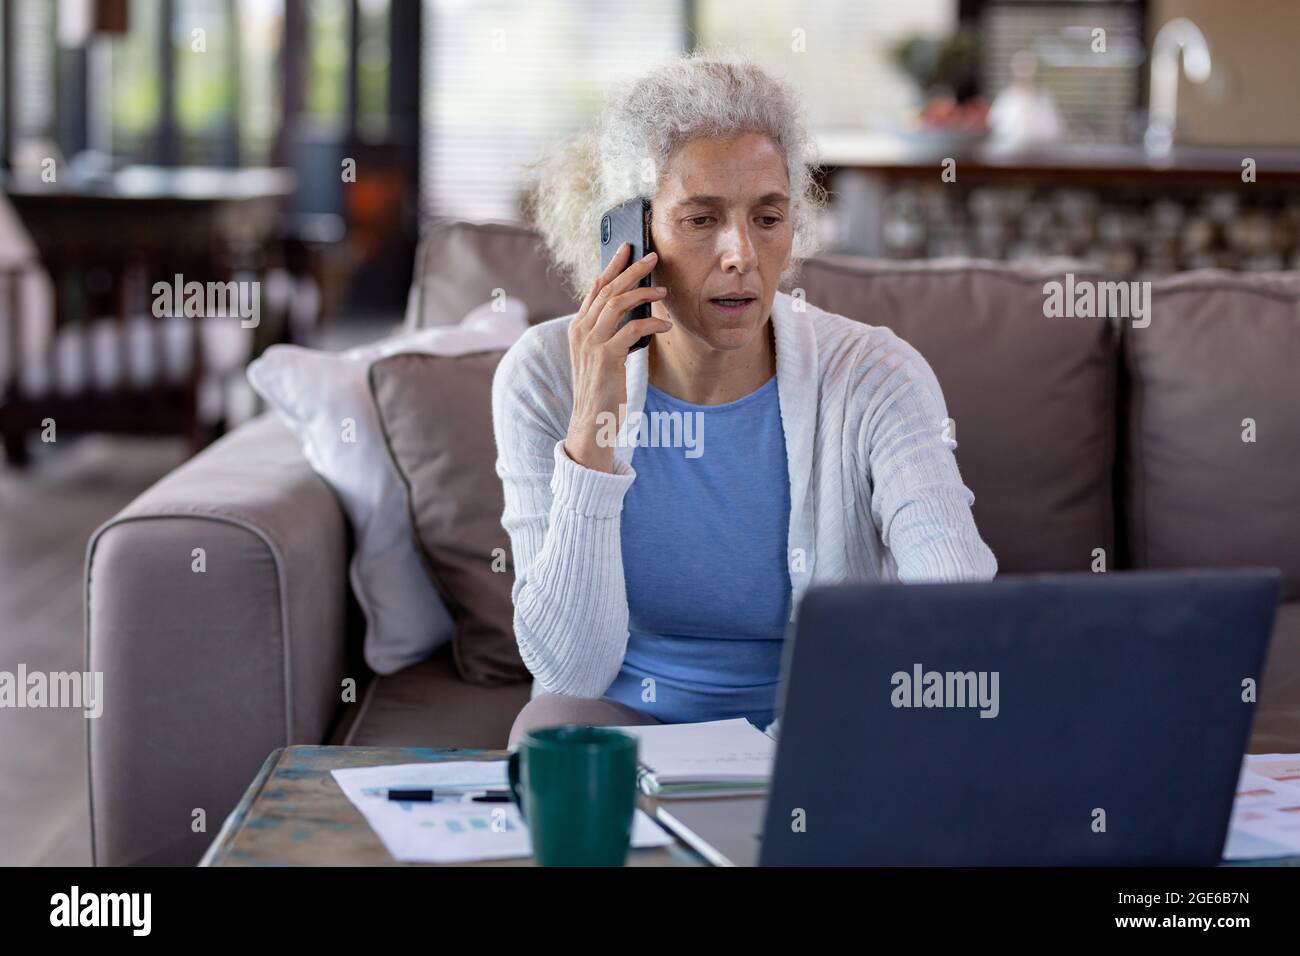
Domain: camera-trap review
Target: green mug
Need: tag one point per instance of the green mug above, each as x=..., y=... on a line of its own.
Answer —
x=576, y=789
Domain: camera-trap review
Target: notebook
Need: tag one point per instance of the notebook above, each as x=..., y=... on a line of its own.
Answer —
x=717, y=758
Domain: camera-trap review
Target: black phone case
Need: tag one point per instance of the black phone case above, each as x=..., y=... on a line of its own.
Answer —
x=629, y=222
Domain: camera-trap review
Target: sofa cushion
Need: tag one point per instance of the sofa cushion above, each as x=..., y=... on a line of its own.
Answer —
x=428, y=705
x=324, y=398
x=460, y=264
x=1277, y=720
x=1032, y=398
x=1221, y=348
x=435, y=413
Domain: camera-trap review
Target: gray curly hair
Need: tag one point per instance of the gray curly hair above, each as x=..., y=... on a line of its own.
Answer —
x=643, y=124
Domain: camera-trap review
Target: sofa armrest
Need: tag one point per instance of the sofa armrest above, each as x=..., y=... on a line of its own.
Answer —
x=210, y=659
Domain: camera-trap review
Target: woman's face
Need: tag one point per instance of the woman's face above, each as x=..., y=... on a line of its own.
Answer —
x=721, y=226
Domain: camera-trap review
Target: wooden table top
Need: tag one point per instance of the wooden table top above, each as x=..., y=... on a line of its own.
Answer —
x=141, y=217
x=294, y=814
x=157, y=184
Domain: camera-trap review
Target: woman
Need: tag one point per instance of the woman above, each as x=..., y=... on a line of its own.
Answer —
x=655, y=579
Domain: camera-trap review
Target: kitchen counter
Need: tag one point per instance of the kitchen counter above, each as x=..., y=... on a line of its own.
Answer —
x=922, y=153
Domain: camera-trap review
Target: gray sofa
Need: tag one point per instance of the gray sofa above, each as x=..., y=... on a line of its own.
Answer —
x=1074, y=434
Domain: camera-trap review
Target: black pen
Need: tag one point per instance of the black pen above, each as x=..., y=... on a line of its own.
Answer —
x=426, y=796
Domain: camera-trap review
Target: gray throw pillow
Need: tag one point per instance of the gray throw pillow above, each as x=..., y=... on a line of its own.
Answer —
x=436, y=417
x=1032, y=398
x=1213, y=418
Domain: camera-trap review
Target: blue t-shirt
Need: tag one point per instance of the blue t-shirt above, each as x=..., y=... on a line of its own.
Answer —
x=704, y=535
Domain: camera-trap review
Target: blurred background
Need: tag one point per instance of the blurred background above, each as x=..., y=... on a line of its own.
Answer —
x=300, y=144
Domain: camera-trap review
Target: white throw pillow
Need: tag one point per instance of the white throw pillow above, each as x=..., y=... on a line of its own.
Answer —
x=324, y=397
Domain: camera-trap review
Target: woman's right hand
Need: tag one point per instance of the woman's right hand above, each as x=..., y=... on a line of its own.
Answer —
x=598, y=350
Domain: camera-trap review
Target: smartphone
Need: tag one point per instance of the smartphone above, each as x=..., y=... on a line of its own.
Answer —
x=629, y=222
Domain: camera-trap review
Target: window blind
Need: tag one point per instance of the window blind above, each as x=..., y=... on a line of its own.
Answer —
x=1095, y=93
x=837, y=53
x=503, y=79
x=34, y=66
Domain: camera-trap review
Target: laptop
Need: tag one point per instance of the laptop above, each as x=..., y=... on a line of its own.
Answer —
x=1045, y=720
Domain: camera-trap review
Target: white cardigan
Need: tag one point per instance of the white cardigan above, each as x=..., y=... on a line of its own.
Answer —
x=875, y=494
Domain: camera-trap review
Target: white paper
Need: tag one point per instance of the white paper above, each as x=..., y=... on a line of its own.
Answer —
x=482, y=775
x=1265, y=818
x=453, y=830
x=728, y=750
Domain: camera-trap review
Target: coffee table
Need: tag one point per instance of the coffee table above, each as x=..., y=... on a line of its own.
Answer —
x=294, y=814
